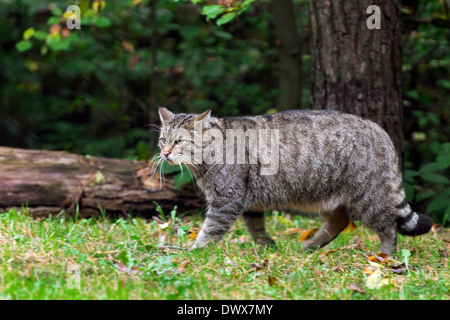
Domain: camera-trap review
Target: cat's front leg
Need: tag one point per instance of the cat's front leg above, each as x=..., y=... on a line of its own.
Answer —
x=219, y=219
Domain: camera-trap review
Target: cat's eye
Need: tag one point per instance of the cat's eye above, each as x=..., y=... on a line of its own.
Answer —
x=163, y=141
x=179, y=141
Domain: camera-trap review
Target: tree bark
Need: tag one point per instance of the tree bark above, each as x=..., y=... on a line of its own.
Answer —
x=356, y=69
x=48, y=182
x=290, y=62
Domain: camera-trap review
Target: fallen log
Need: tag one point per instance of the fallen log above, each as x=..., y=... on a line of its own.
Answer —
x=48, y=182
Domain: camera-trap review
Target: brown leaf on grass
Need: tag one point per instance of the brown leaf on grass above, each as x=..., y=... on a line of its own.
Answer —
x=353, y=286
x=399, y=269
x=193, y=233
x=355, y=245
x=244, y=239
x=350, y=227
x=305, y=235
x=122, y=267
x=380, y=257
x=265, y=263
x=134, y=270
x=256, y=266
x=183, y=264
x=368, y=271
x=291, y=231
x=327, y=252
x=272, y=281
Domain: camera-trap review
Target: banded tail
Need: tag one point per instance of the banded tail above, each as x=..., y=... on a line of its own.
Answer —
x=412, y=223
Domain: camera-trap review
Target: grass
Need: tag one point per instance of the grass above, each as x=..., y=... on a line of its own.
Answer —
x=42, y=258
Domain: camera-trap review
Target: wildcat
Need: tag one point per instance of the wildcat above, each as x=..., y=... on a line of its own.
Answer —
x=329, y=162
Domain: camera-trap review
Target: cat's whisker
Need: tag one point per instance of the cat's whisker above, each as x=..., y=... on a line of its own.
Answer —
x=153, y=125
x=181, y=167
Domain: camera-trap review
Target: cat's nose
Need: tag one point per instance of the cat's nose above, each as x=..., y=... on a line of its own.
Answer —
x=166, y=153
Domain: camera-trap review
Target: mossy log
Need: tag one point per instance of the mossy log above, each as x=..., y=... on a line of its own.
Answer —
x=48, y=182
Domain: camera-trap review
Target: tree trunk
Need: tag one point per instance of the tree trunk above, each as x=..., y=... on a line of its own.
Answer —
x=48, y=182
x=290, y=62
x=356, y=69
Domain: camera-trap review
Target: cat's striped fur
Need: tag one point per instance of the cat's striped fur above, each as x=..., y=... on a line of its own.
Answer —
x=332, y=163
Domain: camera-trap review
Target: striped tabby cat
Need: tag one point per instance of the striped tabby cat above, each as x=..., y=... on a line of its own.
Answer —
x=323, y=161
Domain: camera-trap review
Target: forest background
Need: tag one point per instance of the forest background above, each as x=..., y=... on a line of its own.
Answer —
x=94, y=90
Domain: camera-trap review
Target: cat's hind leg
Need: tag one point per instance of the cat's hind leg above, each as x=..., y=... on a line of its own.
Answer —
x=335, y=222
x=254, y=221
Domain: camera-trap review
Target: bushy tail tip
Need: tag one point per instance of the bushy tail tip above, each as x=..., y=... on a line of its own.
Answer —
x=414, y=224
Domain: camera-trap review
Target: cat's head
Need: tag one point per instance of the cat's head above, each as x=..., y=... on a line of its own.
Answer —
x=177, y=135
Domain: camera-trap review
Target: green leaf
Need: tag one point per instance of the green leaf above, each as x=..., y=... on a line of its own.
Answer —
x=167, y=168
x=438, y=203
x=40, y=35
x=23, y=45
x=444, y=83
x=443, y=161
x=53, y=20
x=406, y=254
x=430, y=167
x=409, y=189
x=160, y=211
x=227, y=17
x=434, y=118
x=56, y=43
x=213, y=11
x=173, y=213
x=57, y=11
x=103, y=22
x=434, y=177
x=181, y=179
x=245, y=5
x=409, y=175
x=424, y=195
x=27, y=34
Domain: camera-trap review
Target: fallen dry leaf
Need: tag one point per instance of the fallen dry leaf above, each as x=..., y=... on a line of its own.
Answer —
x=122, y=267
x=350, y=227
x=265, y=263
x=272, y=281
x=134, y=270
x=327, y=252
x=244, y=239
x=305, y=235
x=291, y=231
x=256, y=266
x=368, y=271
x=183, y=264
x=193, y=233
x=353, y=286
x=380, y=257
x=399, y=269
x=374, y=280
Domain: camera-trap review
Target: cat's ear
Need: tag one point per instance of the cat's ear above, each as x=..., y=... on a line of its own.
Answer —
x=165, y=115
x=204, y=118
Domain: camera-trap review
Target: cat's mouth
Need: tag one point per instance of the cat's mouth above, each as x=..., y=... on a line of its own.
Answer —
x=169, y=158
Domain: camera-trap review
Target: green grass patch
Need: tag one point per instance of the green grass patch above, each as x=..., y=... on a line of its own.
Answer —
x=63, y=257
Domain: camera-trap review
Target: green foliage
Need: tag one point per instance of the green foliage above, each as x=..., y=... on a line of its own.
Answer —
x=87, y=90
x=427, y=103
x=431, y=185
